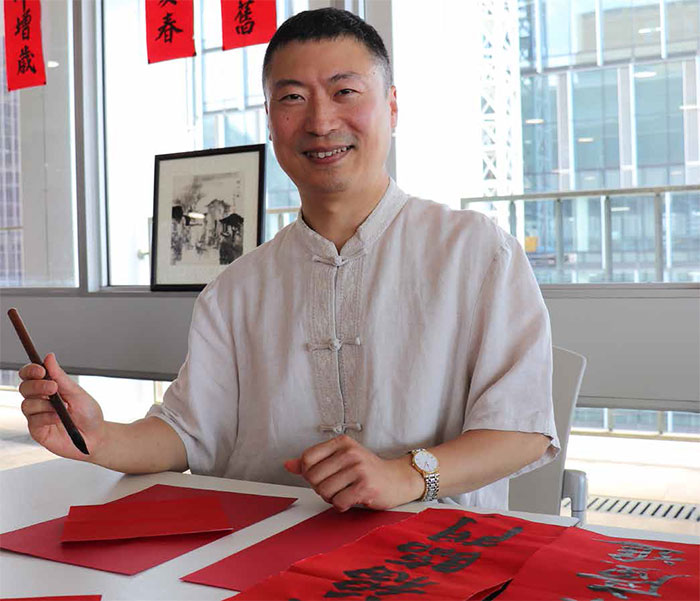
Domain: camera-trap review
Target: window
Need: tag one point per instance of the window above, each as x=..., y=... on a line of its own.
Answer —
x=211, y=100
x=37, y=169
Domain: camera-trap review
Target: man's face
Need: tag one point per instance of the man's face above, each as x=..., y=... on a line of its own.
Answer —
x=330, y=115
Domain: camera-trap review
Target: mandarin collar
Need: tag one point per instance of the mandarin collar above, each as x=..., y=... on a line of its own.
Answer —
x=365, y=235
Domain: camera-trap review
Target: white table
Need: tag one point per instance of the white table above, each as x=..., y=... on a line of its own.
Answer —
x=45, y=491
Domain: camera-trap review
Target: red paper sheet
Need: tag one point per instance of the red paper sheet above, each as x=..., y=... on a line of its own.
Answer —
x=24, y=56
x=169, y=29
x=583, y=566
x=144, y=518
x=63, y=598
x=135, y=555
x=319, y=534
x=437, y=554
x=247, y=22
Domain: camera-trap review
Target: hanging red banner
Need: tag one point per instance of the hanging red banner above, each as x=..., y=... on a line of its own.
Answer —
x=169, y=29
x=585, y=566
x=437, y=554
x=247, y=22
x=24, y=57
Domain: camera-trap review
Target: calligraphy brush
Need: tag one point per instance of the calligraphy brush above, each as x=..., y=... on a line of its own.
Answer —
x=55, y=399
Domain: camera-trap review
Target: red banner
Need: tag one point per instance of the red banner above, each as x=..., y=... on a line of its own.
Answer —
x=169, y=29
x=247, y=22
x=24, y=57
x=585, y=566
x=437, y=554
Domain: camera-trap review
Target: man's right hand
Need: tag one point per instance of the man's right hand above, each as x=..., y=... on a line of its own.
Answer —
x=44, y=424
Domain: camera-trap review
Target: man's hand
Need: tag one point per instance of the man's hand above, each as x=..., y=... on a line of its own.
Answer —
x=344, y=473
x=44, y=424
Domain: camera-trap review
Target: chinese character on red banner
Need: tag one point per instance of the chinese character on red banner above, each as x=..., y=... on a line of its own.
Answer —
x=24, y=57
x=247, y=22
x=169, y=29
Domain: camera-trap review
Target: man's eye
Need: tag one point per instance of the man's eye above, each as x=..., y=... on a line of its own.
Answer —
x=346, y=92
x=292, y=97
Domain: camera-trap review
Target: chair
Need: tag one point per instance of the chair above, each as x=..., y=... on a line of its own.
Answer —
x=542, y=490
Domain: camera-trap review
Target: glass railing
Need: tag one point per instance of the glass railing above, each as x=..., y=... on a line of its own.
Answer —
x=630, y=235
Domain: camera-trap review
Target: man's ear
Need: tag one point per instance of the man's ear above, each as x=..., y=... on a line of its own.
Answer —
x=393, y=104
x=267, y=114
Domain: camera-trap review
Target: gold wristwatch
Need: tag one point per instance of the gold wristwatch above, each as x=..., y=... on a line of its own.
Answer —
x=427, y=466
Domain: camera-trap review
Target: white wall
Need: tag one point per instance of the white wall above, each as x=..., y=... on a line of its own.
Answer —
x=642, y=352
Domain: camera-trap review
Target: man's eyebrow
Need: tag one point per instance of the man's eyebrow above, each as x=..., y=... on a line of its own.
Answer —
x=283, y=83
x=345, y=75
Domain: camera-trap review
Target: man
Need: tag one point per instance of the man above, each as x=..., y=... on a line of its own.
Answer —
x=373, y=327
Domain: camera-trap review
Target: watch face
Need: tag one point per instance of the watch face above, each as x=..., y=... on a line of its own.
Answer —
x=426, y=461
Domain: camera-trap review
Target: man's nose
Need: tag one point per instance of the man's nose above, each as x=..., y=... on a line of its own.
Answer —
x=321, y=117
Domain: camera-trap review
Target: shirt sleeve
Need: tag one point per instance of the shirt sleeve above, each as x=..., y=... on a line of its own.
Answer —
x=201, y=405
x=510, y=364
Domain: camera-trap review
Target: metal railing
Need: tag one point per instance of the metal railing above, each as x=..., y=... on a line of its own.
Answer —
x=279, y=217
x=661, y=197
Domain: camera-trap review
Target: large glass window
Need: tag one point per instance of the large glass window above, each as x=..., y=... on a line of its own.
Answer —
x=212, y=100
x=659, y=121
x=37, y=168
x=596, y=128
x=540, y=142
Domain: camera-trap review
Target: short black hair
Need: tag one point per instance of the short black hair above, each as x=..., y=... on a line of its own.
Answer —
x=328, y=24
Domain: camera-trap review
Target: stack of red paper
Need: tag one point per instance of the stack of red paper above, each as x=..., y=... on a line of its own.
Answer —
x=142, y=530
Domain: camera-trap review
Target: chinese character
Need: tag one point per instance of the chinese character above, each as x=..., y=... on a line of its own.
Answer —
x=634, y=551
x=25, y=61
x=622, y=579
x=167, y=29
x=378, y=581
x=24, y=21
x=162, y=3
x=245, y=17
x=414, y=559
x=452, y=534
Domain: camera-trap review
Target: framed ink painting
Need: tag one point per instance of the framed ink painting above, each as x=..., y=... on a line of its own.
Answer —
x=208, y=210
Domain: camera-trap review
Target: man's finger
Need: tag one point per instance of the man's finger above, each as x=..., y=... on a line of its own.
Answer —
x=31, y=371
x=337, y=462
x=59, y=376
x=293, y=465
x=41, y=420
x=332, y=486
x=34, y=405
x=321, y=451
x=37, y=388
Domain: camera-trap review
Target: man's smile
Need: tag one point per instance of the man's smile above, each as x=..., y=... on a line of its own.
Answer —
x=327, y=155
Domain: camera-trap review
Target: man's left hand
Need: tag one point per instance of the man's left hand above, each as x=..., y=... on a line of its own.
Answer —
x=344, y=473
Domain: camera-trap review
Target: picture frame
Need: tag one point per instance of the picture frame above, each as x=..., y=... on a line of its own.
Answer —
x=208, y=209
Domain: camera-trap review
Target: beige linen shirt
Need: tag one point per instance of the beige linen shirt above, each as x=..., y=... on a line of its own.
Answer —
x=428, y=323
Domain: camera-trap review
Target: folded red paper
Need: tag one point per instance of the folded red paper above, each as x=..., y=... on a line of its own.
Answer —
x=61, y=598
x=131, y=556
x=583, y=565
x=437, y=554
x=320, y=533
x=145, y=518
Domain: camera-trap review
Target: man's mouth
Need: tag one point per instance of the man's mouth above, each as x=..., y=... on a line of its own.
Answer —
x=323, y=154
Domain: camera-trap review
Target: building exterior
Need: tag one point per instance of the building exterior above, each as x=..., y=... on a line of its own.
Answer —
x=610, y=100
x=11, y=263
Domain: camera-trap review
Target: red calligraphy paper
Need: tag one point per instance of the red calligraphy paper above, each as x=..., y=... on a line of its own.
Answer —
x=132, y=556
x=583, y=566
x=144, y=518
x=247, y=22
x=437, y=554
x=169, y=29
x=62, y=598
x=24, y=57
x=319, y=534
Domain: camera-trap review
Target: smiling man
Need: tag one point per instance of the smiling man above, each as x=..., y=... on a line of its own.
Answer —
x=381, y=349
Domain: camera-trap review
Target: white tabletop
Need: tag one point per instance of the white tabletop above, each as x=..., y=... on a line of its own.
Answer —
x=44, y=491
